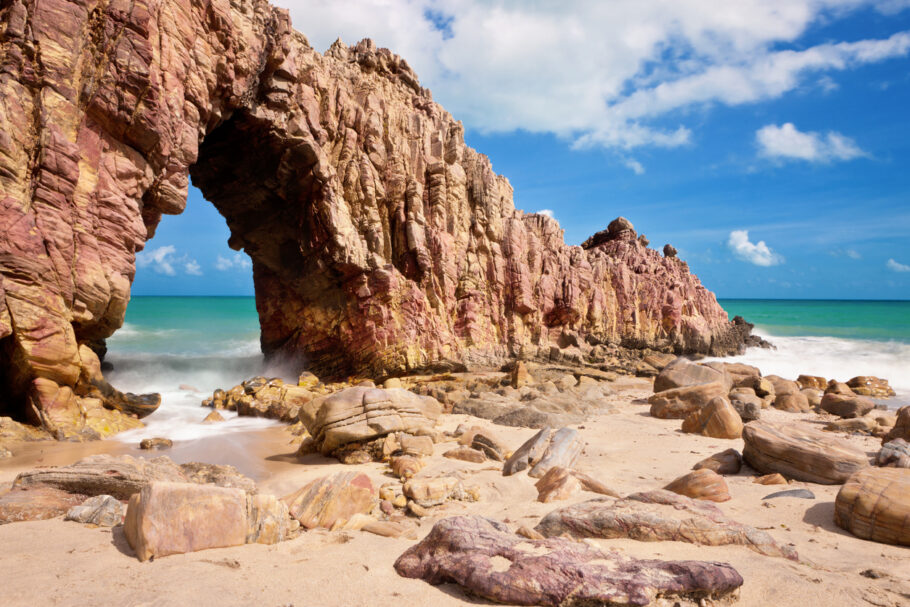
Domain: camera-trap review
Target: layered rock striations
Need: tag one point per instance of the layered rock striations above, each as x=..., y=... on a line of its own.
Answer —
x=380, y=242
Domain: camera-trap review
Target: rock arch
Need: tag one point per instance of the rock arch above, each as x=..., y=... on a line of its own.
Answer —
x=380, y=242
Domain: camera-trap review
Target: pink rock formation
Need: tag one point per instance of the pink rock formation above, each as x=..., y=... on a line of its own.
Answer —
x=380, y=242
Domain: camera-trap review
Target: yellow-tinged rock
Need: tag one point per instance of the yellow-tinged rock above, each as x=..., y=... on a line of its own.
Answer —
x=874, y=504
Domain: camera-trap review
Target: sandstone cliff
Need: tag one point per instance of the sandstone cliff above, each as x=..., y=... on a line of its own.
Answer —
x=380, y=242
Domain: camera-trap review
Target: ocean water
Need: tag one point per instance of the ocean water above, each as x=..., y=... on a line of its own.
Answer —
x=186, y=347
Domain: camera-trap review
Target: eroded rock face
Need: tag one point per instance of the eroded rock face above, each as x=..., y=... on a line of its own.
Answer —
x=482, y=556
x=380, y=242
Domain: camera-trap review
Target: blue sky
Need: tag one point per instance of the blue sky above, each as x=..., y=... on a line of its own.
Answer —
x=770, y=143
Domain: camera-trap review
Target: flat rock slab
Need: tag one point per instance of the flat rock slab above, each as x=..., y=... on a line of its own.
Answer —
x=545, y=450
x=331, y=501
x=800, y=493
x=874, y=504
x=36, y=503
x=122, y=476
x=486, y=559
x=800, y=453
x=656, y=516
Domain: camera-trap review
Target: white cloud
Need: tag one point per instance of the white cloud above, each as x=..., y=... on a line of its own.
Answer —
x=236, y=262
x=897, y=266
x=636, y=166
x=757, y=253
x=788, y=142
x=547, y=212
x=609, y=74
x=164, y=259
x=853, y=254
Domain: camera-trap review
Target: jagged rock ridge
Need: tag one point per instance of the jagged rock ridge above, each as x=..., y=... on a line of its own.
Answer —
x=380, y=242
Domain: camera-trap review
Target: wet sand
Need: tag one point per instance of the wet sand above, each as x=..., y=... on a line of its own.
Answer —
x=64, y=563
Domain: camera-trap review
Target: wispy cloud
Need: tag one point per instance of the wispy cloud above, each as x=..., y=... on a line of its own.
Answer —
x=789, y=143
x=758, y=253
x=547, y=212
x=237, y=261
x=897, y=266
x=606, y=74
x=851, y=253
x=164, y=260
x=636, y=166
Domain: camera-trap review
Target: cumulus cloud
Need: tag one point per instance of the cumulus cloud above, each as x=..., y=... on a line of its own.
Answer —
x=756, y=253
x=608, y=74
x=897, y=266
x=164, y=260
x=788, y=142
x=547, y=212
x=237, y=261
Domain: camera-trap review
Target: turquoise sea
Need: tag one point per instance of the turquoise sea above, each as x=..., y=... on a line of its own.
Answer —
x=185, y=347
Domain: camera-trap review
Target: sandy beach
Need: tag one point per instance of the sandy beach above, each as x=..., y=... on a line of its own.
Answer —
x=54, y=562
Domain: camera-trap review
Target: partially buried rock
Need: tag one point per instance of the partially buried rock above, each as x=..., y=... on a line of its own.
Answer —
x=466, y=454
x=361, y=414
x=174, y=518
x=429, y=492
x=101, y=510
x=746, y=403
x=487, y=560
x=800, y=493
x=491, y=447
x=213, y=417
x=846, y=406
x=156, y=443
x=657, y=516
x=331, y=500
x=702, y=484
x=895, y=454
x=546, y=449
x=801, y=453
x=717, y=419
x=561, y=483
x=874, y=504
x=405, y=466
x=725, y=462
x=770, y=479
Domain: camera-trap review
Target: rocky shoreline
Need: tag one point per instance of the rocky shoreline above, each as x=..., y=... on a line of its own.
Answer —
x=418, y=459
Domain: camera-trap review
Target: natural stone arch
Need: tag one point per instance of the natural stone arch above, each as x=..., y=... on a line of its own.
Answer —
x=381, y=244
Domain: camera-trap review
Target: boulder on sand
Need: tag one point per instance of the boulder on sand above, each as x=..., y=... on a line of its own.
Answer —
x=657, y=516
x=561, y=483
x=800, y=452
x=702, y=484
x=682, y=373
x=901, y=427
x=846, y=406
x=874, y=504
x=794, y=402
x=680, y=402
x=487, y=560
x=725, y=462
x=101, y=510
x=331, y=500
x=717, y=419
x=894, y=454
x=363, y=413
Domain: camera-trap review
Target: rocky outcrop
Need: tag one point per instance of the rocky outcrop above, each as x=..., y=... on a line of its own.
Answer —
x=487, y=560
x=380, y=242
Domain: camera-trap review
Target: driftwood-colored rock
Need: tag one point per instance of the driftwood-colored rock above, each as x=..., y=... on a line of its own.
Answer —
x=122, y=476
x=546, y=449
x=331, y=501
x=725, y=462
x=717, y=419
x=656, y=516
x=489, y=561
x=874, y=504
x=770, y=479
x=801, y=453
x=846, y=406
x=101, y=510
x=894, y=454
x=361, y=414
x=702, y=484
